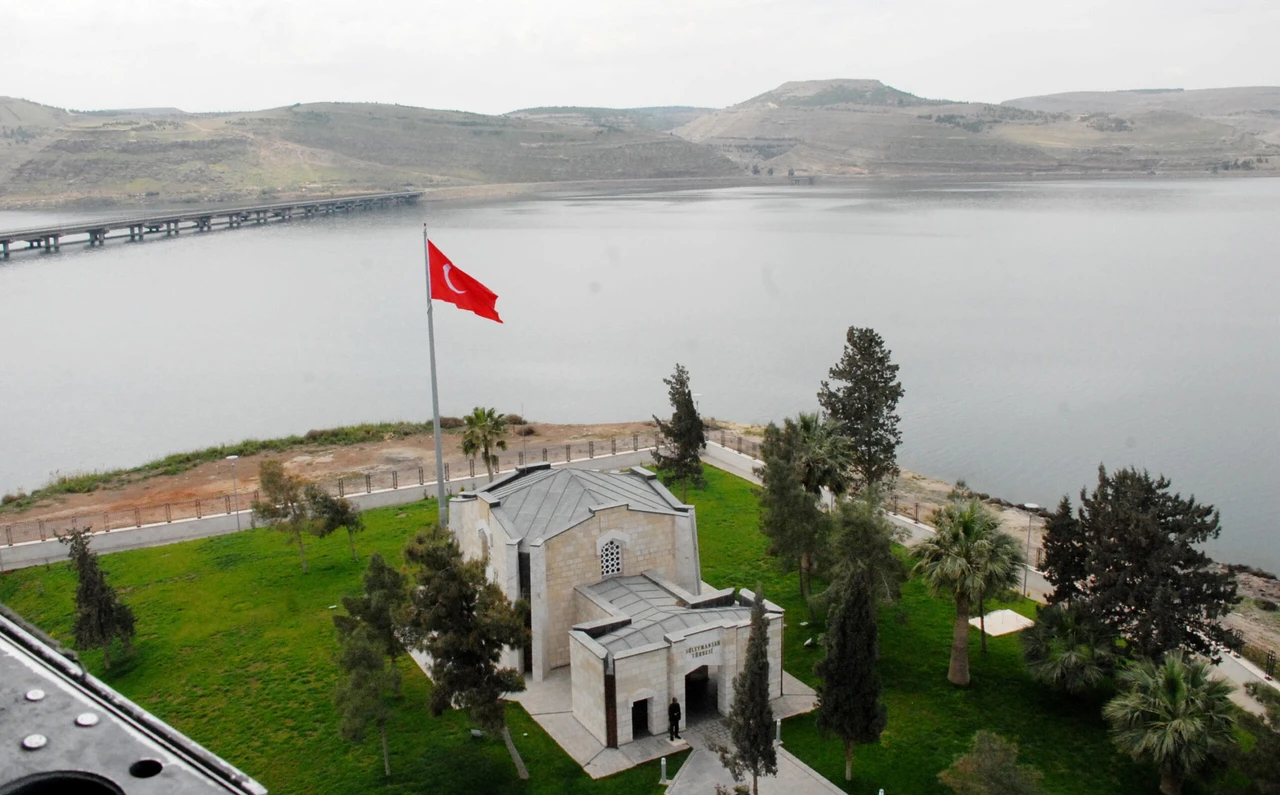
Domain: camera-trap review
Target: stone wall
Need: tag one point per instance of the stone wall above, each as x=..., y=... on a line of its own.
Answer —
x=642, y=674
x=587, y=684
x=572, y=559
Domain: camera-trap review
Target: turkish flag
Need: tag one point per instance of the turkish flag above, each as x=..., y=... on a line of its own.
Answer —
x=452, y=285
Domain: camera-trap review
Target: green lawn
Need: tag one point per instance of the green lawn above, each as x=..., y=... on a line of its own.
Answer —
x=235, y=648
x=236, y=643
x=930, y=722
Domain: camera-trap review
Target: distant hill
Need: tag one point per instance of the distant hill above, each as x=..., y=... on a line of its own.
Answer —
x=866, y=127
x=66, y=156
x=816, y=127
x=1253, y=110
x=662, y=119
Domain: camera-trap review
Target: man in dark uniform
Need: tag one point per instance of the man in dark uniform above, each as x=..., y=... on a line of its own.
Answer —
x=673, y=716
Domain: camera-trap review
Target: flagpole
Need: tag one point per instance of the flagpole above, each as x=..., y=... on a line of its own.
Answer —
x=435, y=393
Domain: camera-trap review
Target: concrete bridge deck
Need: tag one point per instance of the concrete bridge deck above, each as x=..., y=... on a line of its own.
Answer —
x=171, y=222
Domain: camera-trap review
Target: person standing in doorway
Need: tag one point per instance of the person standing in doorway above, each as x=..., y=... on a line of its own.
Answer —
x=673, y=717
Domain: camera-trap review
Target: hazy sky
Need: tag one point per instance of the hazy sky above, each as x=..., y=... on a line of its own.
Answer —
x=497, y=55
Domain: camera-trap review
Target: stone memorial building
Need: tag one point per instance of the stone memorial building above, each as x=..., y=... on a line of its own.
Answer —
x=609, y=564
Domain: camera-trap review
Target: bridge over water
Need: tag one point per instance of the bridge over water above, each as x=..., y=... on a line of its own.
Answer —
x=171, y=222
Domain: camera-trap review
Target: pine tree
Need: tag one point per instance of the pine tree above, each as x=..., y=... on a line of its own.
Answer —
x=1146, y=577
x=683, y=434
x=366, y=686
x=463, y=622
x=283, y=505
x=379, y=608
x=863, y=401
x=751, y=718
x=330, y=513
x=1065, y=555
x=100, y=617
x=789, y=515
x=849, y=697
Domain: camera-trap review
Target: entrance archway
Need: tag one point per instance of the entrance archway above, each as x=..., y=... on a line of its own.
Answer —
x=700, y=695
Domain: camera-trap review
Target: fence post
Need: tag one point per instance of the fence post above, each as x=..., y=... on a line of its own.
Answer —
x=567, y=456
x=168, y=515
x=137, y=515
x=395, y=478
x=635, y=442
x=8, y=534
x=520, y=458
x=1271, y=657
x=739, y=445
x=198, y=515
x=341, y=491
x=471, y=467
x=40, y=522
x=613, y=445
x=106, y=522
x=544, y=454
x=895, y=503
x=917, y=512
x=446, y=472
x=591, y=448
x=421, y=479
x=226, y=503
x=722, y=438
x=368, y=483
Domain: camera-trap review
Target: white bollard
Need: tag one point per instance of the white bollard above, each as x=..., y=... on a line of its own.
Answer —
x=663, y=780
x=777, y=731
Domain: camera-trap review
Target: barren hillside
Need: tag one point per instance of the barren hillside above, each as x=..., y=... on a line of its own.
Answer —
x=863, y=126
x=121, y=155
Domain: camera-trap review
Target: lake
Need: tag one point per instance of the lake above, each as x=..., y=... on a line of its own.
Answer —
x=1042, y=328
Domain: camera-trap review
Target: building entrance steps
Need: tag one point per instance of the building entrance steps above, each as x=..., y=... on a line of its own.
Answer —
x=550, y=703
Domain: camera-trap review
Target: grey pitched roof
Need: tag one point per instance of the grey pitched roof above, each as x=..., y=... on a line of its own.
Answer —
x=654, y=612
x=539, y=502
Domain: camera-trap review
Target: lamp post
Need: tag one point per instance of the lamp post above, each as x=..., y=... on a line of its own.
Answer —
x=1031, y=509
x=234, y=489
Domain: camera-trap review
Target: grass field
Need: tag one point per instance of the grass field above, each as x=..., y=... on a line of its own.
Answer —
x=930, y=722
x=235, y=648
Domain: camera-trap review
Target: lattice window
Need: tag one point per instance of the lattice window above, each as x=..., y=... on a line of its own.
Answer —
x=610, y=559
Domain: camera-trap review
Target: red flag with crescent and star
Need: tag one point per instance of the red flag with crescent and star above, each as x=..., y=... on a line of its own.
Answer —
x=450, y=284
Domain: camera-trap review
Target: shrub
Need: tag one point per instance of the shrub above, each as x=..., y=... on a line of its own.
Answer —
x=515, y=419
x=451, y=422
x=525, y=430
x=1268, y=605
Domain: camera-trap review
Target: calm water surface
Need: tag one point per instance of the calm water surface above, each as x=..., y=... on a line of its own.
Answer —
x=1042, y=329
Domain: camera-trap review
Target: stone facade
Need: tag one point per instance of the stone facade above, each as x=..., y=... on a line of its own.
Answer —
x=640, y=631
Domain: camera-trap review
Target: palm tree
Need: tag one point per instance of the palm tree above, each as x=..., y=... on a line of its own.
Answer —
x=823, y=460
x=825, y=455
x=964, y=560
x=483, y=434
x=999, y=572
x=1068, y=649
x=1173, y=714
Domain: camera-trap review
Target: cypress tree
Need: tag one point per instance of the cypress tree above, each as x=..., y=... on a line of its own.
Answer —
x=864, y=400
x=849, y=696
x=751, y=718
x=789, y=515
x=683, y=433
x=100, y=616
x=378, y=608
x=1065, y=555
x=366, y=685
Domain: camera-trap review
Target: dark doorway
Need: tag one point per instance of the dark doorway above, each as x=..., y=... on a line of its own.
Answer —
x=640, y=719
x=699, y=695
